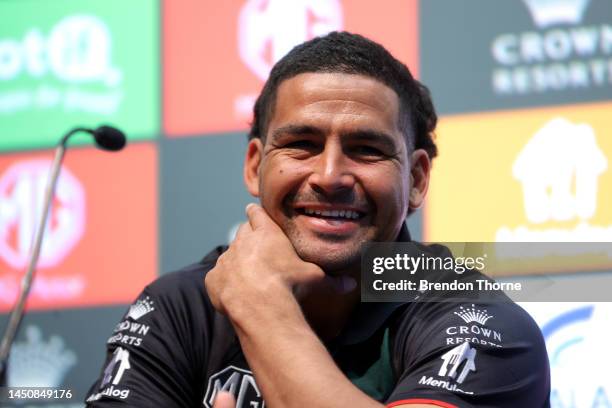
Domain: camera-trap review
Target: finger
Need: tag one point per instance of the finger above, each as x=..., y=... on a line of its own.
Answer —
x=224, y=400
x=243, y=230
x=258, y=217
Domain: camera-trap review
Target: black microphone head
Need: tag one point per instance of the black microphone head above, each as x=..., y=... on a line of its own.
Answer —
x=109, y=138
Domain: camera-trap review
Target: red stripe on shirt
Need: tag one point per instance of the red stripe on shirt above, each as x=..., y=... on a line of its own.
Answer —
x=422, y=401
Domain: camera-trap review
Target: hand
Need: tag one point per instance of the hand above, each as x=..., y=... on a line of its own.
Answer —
x=261, y=266
x=224, y=400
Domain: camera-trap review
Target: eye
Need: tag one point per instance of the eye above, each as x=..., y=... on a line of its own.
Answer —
x=301, y=144
x=367, y=150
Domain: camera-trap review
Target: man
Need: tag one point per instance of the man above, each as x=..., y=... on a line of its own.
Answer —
x=339, y=155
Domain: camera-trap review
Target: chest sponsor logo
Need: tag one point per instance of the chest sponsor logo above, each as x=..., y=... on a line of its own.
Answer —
x=457, y=364
x=141, y=308
x=238, y=382
x=35, y=362
x=128, y=332
x=474, y=330
x=462, y=357
x=113, y=373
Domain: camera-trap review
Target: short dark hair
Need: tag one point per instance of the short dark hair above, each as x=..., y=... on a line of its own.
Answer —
x=353, y=54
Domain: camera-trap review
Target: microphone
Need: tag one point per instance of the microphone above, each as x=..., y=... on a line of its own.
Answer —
x=106, y=138
x=109, y=138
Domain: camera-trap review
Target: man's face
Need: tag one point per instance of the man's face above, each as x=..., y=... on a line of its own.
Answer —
x=334, y=172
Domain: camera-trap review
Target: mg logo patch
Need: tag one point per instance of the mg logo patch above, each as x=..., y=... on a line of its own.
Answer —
x=237, y=381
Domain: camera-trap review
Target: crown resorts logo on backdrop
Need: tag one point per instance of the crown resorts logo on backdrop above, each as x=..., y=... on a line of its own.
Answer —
x=22, y=189
x=550, y=12
x=563, y=53
x=76, y=51
x=35, y=362
x=267, y=30
x=559, y=169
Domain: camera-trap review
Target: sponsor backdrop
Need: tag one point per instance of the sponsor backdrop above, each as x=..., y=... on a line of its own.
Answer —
x=523, y=88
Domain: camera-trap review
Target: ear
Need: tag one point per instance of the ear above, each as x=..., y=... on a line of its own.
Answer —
x=419, y=178
x=252, y=161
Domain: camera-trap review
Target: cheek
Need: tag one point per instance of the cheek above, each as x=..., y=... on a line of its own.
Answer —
x=389, y=190
x=279, y=178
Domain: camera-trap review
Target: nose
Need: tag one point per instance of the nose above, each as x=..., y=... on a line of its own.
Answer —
x=332, y=173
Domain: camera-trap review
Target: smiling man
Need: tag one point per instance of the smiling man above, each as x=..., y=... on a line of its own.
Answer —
x=339, y=155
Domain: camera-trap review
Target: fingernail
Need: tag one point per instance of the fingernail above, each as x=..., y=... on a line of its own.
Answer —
x=249, y=205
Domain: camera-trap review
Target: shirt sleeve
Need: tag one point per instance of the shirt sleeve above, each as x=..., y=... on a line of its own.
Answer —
x=470, y=355
x=156, y=353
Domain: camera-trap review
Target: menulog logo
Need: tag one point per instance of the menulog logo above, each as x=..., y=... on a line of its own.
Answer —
x=559, y=168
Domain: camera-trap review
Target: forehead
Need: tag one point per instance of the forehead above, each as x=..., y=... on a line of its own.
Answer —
x=336, y=99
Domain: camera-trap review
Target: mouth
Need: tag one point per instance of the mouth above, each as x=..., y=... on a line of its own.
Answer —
x=335, y=220
x=332, y=214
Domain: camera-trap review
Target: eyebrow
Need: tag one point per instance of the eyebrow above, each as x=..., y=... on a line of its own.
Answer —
x=371, y=135
x=361, y=135
x=296, y=130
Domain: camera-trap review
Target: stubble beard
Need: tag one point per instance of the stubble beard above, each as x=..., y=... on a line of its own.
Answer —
x=339, y=260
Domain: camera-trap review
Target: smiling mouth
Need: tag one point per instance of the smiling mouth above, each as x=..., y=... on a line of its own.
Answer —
x=331, y=214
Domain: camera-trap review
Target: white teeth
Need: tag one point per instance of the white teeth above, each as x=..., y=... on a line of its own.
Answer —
x=348, y=214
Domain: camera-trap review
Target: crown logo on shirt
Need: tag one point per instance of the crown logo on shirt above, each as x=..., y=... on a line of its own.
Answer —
x=472, y=314
x=140, y=308
x=36, y=363
x=549, y=12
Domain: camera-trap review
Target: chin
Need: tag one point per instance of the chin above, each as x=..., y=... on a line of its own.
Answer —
x=332, y=261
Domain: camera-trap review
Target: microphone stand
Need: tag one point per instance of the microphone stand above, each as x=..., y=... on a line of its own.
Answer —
x=26, y=283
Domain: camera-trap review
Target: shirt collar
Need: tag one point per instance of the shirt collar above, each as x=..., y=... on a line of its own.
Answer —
x=368, y=317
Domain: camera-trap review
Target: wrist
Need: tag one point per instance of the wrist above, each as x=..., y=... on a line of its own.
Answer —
x=276, y=307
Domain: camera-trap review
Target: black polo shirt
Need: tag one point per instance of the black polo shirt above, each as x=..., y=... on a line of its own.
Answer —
x=173, y=349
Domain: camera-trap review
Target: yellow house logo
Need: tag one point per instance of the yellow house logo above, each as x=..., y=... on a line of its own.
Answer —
x=559, y=170
x=537, y=175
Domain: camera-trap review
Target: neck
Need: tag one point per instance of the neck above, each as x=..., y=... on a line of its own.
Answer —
x=327, y=311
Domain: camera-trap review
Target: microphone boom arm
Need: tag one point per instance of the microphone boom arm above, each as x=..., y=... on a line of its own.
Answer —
x=26, y=283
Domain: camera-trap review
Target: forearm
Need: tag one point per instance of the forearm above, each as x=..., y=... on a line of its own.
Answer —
x=291, y=365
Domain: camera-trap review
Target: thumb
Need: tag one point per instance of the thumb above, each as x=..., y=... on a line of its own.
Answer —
x=258, y=217
x=224, y=400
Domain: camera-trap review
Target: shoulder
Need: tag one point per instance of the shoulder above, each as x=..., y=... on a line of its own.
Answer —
x=494, y=324
x=474, y=350
x=185, y=281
